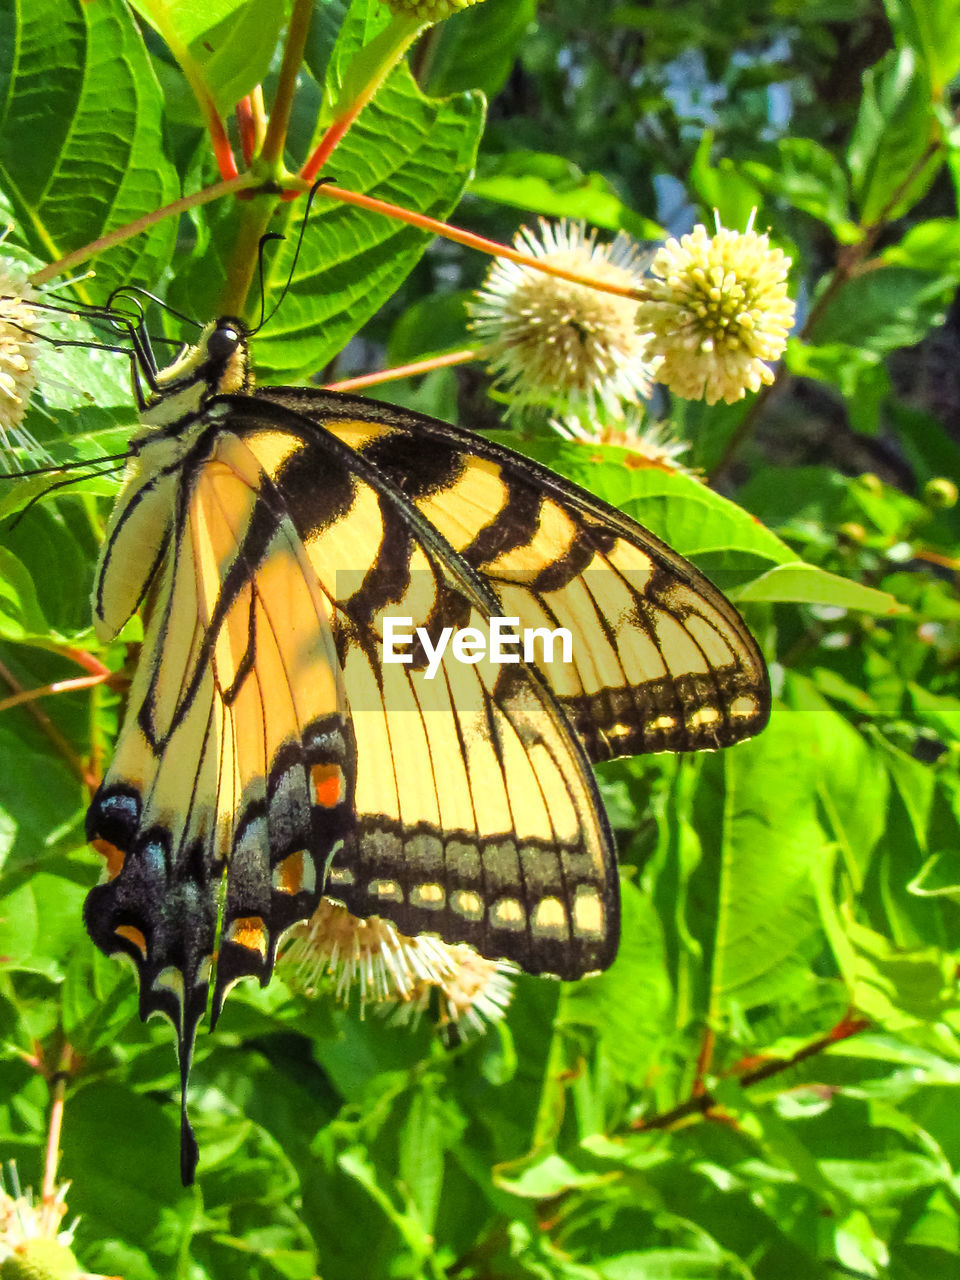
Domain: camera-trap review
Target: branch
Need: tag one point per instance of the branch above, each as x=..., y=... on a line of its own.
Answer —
x=700, y=1104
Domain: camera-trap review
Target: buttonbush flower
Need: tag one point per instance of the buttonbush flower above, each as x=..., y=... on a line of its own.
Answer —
x=717, y=312
x=428, y=10
x=18, y=351
x=653, y=443
x=393, y=971
x=32, y=1244
x=552, y=343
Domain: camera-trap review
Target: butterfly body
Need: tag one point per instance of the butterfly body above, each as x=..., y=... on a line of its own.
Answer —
x=270, y=755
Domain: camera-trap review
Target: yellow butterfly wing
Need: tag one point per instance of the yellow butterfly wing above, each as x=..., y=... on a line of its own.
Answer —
x=661, y=659
x=267, y=746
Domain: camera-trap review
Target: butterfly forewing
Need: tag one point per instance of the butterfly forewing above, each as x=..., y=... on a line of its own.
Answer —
x=476, y=814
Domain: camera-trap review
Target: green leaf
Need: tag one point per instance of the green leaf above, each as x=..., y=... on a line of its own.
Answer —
x=807, y=584
x=631, y=1034
x=852, y=783
x=87, y=65
x=942, y=713
x=121, y=1150
x=933, y=32
x=185, y=19
x=545, y=1174
x=755, y=913
x=931, y=246
x=673, y=1264
x=857, y=372
x=39, y=791
x=21, y=617
x=893, y=155
x=898, y=987
x=932, y=1223
x=431, y=1127
x=877, y=1182
x=478, y=46
x=883, y=309
x=554, y=187
x=811, y=179
x=235, y=54
x=411, y=151
x=915, y=783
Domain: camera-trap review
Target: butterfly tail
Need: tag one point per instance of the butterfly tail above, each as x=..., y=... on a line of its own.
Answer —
x=160, y=912
x=189, y=1150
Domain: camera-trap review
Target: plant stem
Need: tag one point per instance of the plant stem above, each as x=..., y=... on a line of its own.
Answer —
x=276, y=136
x=471, y=240
x=131, y=229
x=44, y=691
x=848, y=1026
x=58, y=1090
x=404, y=370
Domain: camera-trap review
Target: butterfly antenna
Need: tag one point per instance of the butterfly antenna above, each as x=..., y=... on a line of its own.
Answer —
x=273, y=235
x=127, y=290
x=62, y=484
x=264, y=241
x=58, y=468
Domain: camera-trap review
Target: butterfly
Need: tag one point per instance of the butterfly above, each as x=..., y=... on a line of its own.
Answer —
x=270, y=754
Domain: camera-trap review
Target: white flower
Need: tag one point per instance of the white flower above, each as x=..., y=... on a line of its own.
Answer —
x=18, y=350
x=475, y=989
x=31, y=1241
x=428, y=10
x=392, y=970
x=652, y=443
x=556, y=343
x=717, y=311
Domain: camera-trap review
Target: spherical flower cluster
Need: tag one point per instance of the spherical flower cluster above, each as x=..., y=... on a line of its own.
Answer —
x=17, y=351
x=428, y=10
x=32, y=1244
x=651, y=444
x=475, y=992
x=556, y=343
x=717, y=311
x=392, y=970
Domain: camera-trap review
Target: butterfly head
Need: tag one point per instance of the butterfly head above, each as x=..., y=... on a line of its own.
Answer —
x=219, y=364
x=225, y=359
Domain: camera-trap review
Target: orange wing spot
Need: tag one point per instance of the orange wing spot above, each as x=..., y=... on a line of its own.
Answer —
x=134, y=935
x=115, y=857
x=328, y=784
x=248, y=931
x=288, y=874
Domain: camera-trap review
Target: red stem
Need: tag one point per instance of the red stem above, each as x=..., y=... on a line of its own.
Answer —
x=244, y=114
x=403, y=371
x=849, y=1025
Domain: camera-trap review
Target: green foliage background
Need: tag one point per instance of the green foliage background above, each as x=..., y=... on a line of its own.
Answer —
x=799, y=888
